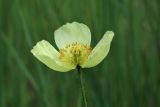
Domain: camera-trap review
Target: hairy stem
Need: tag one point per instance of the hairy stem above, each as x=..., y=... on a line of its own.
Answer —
x=82, y=86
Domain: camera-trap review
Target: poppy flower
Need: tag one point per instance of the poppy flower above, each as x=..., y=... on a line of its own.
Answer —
x=73, y=40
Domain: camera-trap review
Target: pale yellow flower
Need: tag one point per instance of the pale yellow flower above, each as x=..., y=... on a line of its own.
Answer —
x=73, y=40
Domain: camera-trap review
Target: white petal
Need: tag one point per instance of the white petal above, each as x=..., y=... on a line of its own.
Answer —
x=72, y=32
x=48, y=55
x=101, y=50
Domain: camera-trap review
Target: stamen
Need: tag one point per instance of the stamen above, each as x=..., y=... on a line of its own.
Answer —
x=75, y=54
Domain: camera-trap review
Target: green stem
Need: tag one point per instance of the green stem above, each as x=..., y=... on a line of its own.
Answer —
x=82, y=86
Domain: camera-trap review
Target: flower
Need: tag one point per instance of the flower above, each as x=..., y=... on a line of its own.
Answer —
x=73, y=40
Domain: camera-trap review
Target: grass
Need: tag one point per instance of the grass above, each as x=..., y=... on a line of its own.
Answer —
x=128, y=77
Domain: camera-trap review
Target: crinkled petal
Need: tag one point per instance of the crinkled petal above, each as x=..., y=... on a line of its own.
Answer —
x=71, y=33
x=48, y=55
x=101, y=50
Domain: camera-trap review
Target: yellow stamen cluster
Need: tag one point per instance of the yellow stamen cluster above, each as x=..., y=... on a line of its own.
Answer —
x=75, y=54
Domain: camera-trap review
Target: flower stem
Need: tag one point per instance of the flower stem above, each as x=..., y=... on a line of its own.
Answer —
x=82, y=86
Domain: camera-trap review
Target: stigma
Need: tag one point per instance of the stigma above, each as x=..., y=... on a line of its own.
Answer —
x=75, y=54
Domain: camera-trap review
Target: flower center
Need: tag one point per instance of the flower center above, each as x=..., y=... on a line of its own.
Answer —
x=75, y=54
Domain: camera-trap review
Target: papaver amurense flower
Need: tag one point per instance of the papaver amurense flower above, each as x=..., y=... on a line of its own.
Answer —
x=73, y=40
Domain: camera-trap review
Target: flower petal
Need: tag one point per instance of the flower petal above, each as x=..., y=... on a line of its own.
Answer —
x=71, y=33
x=48, y=55
x=101, y=50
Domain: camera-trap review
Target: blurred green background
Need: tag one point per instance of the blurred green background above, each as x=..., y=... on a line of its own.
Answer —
x=128, y=77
